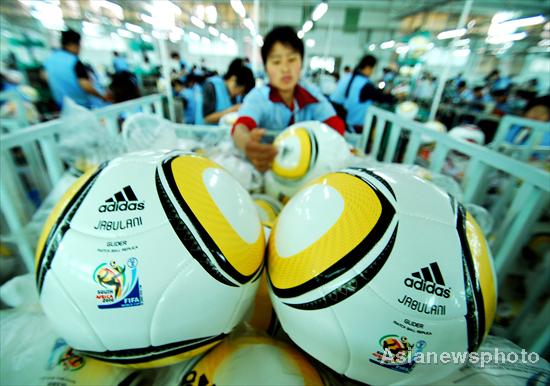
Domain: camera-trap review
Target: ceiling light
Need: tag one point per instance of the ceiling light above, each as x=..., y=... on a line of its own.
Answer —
x=248, y=23
x=372, y=47
x=319, y=11
x=310, y=43
x=124, y=33
x=134, y=28
x=197, y=22
x=308, y=25
x=194, y=36
x=301, y=34
x=211, y=14
x=506, y=38
x=453, y=33
x=115, y=9
x=461, y=53
x=524, y=22
x=213, y=31
x=388, y=44
x=238, y=7
x=205, y=40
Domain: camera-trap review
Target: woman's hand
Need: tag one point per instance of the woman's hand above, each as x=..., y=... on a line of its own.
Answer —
x=261, y=155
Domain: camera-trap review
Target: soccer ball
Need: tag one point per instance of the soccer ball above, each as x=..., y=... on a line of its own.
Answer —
x=468, y=133
x=267, y=207
x=306, y=150
x=149, y=259
x=246, y=360
x=371, y=269
x=435, y=126
x=407, y=110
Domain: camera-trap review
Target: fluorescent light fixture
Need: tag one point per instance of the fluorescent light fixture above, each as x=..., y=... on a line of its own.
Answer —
x=163, y=6
x=524, y=22
x=146, y=18
x=125, y=33
x=372, y=47
x=146, y=38
x=199, y=11
x=50, y=15
x=300, y=34
x=319, y=11
x=134, y=28
x=248, y=23
x=115, y=9
x=259, y=40
x=205, y=40
x=453, y=33
x=388, y=44
x=197, y=22
x=238, y=7
x=461, y=53
x=308, y=25
x=402, y=49
x=194, y=36
x=211, y=14
x=462, y=42
x=506, y=38
x=499, y=17
x=213, y=31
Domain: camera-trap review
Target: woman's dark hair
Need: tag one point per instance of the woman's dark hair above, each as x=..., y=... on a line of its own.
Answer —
x=366, y=61
x=124, y=86
x=243, y=74
x=285, y=35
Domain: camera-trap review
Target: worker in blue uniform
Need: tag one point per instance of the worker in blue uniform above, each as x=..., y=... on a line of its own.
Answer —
x=357, y=92
x=223, y=95
x=68, y=76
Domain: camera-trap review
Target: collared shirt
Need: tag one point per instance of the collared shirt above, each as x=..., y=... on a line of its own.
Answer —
x=264, y=107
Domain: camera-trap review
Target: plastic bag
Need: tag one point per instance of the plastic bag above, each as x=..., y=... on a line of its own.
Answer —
x=144, y=131
x=31, y=353
x=85, y=140
x=227, y=156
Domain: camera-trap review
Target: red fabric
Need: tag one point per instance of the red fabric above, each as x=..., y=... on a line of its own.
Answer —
x=302, y=96
x=336, y=123
x=247, y=121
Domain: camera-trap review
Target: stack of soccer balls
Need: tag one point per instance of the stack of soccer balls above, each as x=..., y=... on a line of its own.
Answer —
x=154, y=258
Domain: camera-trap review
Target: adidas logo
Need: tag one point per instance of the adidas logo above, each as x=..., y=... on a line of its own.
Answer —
x=429, y=279
x=123, y=200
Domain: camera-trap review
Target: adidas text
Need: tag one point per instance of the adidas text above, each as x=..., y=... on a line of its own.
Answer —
x=428, y=287
x=121, y=206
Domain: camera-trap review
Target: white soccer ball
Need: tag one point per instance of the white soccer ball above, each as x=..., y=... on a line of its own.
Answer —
x=268, y=208
x=371, y=270
x=246, y=361
x=407, y=110
x=150, y=259
x=307, y=150
x=468, y=133
x=435, y=126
